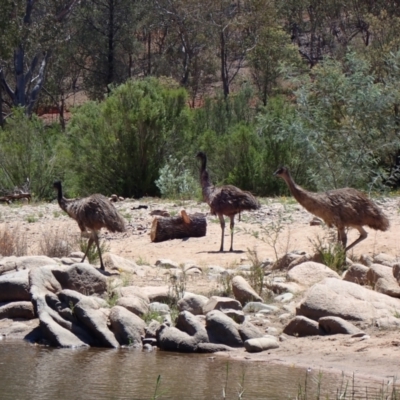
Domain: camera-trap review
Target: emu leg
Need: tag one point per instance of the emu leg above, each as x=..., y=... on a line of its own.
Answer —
x=90, y=241
x=363, y=235
x=96, y=240
x=342, y=236
x=232, y=226
x=222, y=222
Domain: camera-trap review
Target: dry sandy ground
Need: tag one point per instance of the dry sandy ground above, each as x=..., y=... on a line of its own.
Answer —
x=378, y=356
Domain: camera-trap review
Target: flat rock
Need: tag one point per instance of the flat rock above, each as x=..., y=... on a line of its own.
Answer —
x=242, y=290
x=310, y=272
x=357, y=273
x=17, y=309
x=382, y=279
x=219, y=303
x=384, y=259
x=82, y=278
x=302, y=326
x=14, y=286
x=260, y=344
x=254, y=307
x=134, y=304
x=157, y=293
x=335, y=325
x=249, y=331
x=24, y=262
x=347, y=300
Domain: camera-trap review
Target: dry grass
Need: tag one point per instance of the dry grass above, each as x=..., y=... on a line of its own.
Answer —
x=13, y=242
x=58, y=243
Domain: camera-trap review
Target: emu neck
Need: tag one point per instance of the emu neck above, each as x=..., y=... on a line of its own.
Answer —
x=302, y=196
x=62, y=201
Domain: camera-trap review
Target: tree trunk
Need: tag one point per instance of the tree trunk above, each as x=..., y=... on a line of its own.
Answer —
x=179, y=227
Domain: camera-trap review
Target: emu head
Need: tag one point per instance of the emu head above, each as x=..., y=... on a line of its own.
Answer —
x=57, y=185
x=281, y=172
x=201, y=155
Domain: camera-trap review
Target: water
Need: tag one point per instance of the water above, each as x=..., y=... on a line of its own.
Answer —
x=33, y=372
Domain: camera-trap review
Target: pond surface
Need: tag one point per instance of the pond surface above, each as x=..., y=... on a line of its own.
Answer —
x=32, y=372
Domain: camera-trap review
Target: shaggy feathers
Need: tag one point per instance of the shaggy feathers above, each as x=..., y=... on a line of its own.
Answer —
x=225, y=200
x=342, y=208
x=91, y=213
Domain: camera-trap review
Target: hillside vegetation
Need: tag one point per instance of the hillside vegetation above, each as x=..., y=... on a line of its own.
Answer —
x=255, y=84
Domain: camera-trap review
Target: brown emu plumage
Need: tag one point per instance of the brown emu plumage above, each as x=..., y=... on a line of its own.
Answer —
x=224, y=200
x=91, y=213
x=342, y=208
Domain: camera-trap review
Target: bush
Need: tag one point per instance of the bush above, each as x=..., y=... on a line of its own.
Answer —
x=176, y=181
x=28, y=150
x=120, y=145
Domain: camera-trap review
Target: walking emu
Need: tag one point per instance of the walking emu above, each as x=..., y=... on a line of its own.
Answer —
x=225, y=200
x=91, y=213
x=342, y=208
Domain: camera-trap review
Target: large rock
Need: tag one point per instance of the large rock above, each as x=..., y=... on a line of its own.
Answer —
x=347, y=300
x=219, y=303
x=243, y=292
x=17, y=309
x=260, y=344
x=310, y=272
x=128, y=291
x=357, y=273
x=335, y=325
x=95, y=318
x=173, y=339
x=58, y=331
x=82, y=278
x=134, y=304
x=158, y=293
x=14, y=286
x=128, y=328
x=43, y=280
x=189, y=323
x=192, y=302
x=382, y=279
x=396, y=272
x=249, y=331
x=25, y=262
x=114, y=262
x=222, y=329
x=302, y=326
x=384, y=259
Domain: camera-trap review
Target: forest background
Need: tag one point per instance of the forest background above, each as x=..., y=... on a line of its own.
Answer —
x=314, y=85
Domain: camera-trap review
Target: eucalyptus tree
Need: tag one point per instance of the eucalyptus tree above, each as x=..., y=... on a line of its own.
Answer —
x=188, y=51
x=106, y=42
x=347, y=122
x=36, y=28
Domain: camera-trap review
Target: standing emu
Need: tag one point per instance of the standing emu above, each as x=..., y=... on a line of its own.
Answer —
x=342, y=208
x=91, y=213
x=225, y=200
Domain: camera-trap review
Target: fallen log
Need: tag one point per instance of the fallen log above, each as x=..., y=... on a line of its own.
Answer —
x=16, y=196
x=179, y=227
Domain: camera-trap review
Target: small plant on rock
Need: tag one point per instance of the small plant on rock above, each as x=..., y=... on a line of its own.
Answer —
x=331, y=253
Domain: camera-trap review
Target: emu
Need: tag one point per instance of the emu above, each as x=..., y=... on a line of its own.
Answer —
x=91, y=213
x=224, y=200
x=342, y=208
